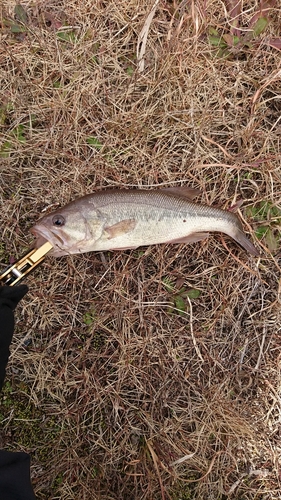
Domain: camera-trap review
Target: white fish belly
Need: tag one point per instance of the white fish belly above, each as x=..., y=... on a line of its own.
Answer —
x=150, y=232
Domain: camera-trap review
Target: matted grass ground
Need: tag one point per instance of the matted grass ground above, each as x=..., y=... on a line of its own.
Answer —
x=155, y=373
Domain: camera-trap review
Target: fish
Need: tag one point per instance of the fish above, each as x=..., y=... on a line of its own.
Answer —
x=129, y=218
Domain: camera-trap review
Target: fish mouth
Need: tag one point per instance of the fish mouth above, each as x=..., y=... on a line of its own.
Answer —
x=43, y=235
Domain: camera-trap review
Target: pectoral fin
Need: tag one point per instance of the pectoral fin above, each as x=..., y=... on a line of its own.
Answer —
x=185, y=191
x=191, y=238
x=122, y=227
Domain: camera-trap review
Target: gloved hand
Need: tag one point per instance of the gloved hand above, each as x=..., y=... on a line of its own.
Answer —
x=9, y=298
x=14, y=466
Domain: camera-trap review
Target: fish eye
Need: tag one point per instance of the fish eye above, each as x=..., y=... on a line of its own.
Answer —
x=58, y=220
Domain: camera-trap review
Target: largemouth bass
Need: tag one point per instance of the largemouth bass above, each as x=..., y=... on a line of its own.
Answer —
x=123, y=219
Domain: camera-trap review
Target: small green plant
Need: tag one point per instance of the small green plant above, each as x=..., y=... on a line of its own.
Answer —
x=265, y=210
x=58, y=479
x=168, y=283
x=269, y=216
x=67, y=36
x=5, y=149
x=17, y=133
x=57, y=84
x=6, y=395
x=179, y=295
x=93, y=141
x=94, y=472
x=226, y=42
x=18, y=25
x=2, y=249
x=183, y=491
x=89, y=317
x=238, y=39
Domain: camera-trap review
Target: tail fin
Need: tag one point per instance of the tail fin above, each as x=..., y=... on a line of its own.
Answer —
x=240, y=237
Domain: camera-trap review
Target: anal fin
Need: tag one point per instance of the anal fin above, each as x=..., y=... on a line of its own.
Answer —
x=191, y=238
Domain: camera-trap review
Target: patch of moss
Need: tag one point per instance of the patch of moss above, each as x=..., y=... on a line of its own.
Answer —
x=29, y=426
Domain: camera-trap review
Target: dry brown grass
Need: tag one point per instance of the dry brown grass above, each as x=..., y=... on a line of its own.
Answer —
x=115, y=392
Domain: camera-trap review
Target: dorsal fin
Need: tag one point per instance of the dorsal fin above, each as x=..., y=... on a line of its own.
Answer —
x=185, y=191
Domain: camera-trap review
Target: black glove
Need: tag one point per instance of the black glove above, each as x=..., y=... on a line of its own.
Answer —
x=9, y=298
x=14, y=467
x=15, y=476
